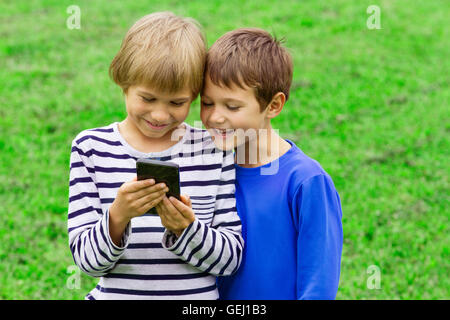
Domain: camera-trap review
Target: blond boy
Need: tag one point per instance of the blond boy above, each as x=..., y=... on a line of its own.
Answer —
x=178, y=252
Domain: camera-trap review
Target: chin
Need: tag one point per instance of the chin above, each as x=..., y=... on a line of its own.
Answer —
x=221, y=143
x=156, y=133
x=224, y=147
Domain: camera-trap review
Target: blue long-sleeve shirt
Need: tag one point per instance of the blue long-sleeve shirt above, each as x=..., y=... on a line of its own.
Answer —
x=292, y=227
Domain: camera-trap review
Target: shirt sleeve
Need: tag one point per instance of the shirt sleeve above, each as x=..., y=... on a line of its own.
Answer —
x=320, y=239
x=92, y=248
x=215, y=248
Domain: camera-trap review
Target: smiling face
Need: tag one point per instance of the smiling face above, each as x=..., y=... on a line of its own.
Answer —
x=154, y=115
x=231, y=115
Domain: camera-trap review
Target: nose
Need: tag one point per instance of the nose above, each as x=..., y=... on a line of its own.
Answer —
x=160, y=115
x=216, y=117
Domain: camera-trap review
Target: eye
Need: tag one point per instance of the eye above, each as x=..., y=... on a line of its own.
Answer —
x=178, y=104
x=232, y=108
x=148, y=99
x=207, y=104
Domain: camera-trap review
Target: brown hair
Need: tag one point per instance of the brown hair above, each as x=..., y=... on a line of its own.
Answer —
x=252, y=57
x=163, y=51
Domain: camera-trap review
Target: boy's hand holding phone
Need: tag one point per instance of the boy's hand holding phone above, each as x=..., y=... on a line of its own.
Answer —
x=134, y=198
x=176, y=215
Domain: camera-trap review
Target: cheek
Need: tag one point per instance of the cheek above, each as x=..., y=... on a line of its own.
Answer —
x=249, y=120
x=134, y=106
x=181, y=114
x=204, y=115
x=241, y=121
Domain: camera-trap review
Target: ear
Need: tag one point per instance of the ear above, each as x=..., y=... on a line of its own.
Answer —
x=276, y=105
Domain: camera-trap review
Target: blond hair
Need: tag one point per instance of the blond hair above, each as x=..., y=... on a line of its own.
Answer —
x=251, y=56
x=163, y=51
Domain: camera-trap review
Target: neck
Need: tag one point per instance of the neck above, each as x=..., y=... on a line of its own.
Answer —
x=262, y=149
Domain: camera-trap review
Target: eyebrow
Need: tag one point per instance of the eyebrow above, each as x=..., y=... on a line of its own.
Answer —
x=151, y=94
x=145, y=92
x=226, y=99
x=235, y=101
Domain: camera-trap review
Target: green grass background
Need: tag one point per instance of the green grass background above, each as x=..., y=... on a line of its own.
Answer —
x=372, y=106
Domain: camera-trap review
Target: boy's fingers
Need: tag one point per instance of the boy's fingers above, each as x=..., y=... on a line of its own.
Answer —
x=168, y=209
x=186, y=200
x=135, y=186
x=152, y=203
x=154, y=190
x=149, y=197
x=163, y=210
x=180, y=207
x=169, y=206
x=158, y=208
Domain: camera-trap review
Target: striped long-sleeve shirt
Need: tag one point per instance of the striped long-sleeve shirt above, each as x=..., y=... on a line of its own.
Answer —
x=151, y=263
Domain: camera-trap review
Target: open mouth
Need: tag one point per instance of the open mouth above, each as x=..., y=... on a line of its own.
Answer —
x=224, y=133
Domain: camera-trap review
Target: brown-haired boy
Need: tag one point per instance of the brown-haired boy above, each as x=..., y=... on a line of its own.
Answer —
x=289, y=208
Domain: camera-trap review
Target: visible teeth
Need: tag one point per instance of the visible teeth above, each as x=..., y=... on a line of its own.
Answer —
x=224, y=131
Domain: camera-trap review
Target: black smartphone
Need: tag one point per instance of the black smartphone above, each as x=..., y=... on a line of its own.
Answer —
x=160, y=171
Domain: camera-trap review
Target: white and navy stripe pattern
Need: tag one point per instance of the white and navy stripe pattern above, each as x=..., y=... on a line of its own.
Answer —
x=152, y=263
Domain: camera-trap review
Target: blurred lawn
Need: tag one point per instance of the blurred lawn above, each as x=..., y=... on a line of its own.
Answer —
x=372, y=106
